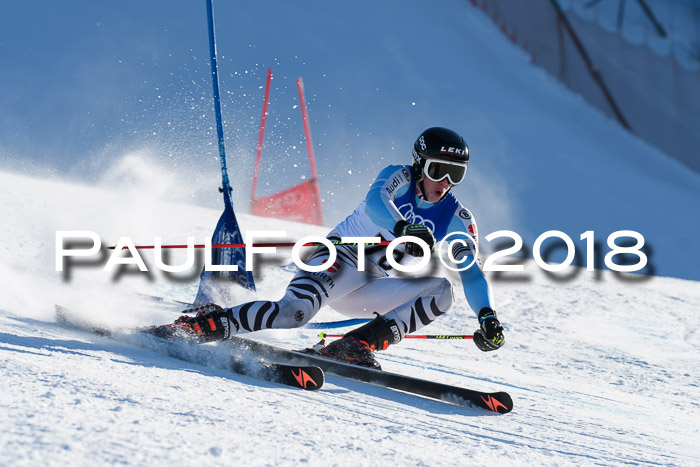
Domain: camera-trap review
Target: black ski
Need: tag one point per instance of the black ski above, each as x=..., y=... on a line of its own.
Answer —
x=499, y=402
x=305, y=376
x=300, y=369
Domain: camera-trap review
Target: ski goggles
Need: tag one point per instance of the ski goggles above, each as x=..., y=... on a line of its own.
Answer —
x=437, y=171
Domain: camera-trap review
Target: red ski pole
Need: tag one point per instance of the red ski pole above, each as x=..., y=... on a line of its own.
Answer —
x=323, y=335
x=242, y=245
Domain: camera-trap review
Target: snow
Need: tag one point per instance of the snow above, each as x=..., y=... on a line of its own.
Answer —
x=601, y=370
x=602, y=367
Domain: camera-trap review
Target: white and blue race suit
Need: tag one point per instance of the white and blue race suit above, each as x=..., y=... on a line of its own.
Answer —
x=413, y=302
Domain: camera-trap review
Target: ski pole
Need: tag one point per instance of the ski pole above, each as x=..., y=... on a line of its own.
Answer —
x=243, y=245
x=323, y=335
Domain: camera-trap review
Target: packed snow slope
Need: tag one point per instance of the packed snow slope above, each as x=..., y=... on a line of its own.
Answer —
x=107, y=126
x=601, y=370
x=82, y=90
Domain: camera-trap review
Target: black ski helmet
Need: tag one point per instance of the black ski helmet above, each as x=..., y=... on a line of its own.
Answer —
x=439, y=144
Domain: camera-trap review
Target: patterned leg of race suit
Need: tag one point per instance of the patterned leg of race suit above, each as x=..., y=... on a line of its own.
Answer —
x=411, y=302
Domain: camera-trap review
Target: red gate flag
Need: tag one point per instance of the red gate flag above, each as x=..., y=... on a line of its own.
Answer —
x=301, y=203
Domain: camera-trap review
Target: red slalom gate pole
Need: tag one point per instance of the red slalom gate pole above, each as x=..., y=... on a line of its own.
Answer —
x=310, y=147
x=323, y=335
x=261, y=136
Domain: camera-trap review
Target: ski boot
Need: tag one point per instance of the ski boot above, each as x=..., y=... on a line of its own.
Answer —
x=210, y=323
x=358, y=346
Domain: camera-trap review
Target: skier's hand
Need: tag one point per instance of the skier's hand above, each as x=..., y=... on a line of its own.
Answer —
x=406, y=229
x=490, y=334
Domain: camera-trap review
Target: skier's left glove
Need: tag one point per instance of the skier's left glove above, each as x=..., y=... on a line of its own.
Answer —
x=490, y=334
x=406, y=229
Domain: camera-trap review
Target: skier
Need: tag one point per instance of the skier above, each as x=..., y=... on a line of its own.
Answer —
x=411, y=200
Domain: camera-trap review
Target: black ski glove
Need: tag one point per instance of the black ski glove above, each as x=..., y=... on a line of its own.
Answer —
x=490, y=335
x=406, y=229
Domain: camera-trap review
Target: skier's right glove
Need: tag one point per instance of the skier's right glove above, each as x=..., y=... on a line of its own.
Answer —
x=490, y=335
x=406, y=229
